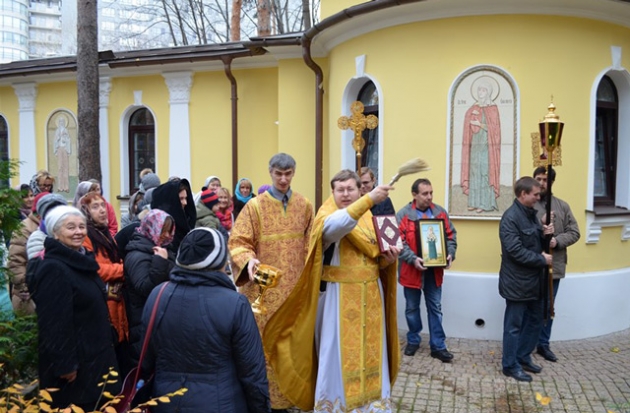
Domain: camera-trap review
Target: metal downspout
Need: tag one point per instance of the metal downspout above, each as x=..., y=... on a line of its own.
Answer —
x=307, y=38
x=227, y=66
x=319, y=118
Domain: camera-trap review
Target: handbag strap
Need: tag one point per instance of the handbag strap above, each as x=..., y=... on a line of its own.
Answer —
x=147, y=335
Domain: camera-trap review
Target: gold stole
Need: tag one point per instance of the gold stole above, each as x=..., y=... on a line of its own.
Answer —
x=361, y=314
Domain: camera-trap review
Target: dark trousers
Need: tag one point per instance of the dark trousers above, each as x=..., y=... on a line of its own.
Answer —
x=545, y=333
x=521, y=328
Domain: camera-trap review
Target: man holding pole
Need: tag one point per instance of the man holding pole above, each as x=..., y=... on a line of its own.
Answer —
x=566, y=233
x=522, y=264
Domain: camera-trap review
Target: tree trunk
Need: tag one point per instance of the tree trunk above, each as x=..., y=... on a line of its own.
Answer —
x=235, y=20
x=264, y=18
x=87, y=88
x=306, y=14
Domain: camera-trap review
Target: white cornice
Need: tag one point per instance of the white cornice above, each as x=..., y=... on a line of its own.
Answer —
x=612, y=11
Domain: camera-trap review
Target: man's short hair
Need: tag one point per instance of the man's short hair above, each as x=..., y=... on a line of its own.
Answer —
x=542, y=170
x=344, y=175
x=414, y=186
x=281, y=161
x=526, y=183
x=365, y=170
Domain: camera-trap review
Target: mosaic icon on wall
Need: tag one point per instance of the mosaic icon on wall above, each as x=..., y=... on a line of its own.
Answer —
x=62, y=145
x=483, y=143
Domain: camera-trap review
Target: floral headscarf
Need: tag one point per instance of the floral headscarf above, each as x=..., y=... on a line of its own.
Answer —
x=151, y=227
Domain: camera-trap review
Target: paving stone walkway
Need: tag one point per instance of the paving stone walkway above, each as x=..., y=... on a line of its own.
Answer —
x=591, y=376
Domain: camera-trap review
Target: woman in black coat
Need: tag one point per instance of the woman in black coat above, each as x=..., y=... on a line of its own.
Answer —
x=76, y=339
x=205, y=337
x=147, y=264
x=175, y=198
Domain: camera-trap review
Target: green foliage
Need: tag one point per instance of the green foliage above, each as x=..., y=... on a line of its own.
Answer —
x=18, y=350
x=18, y=337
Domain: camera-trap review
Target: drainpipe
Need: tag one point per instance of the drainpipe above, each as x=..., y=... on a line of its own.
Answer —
x=227, y=66
x=307, y=38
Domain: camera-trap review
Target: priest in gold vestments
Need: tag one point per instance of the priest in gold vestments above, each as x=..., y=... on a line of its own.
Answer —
x=333, y=344
x=272, y=229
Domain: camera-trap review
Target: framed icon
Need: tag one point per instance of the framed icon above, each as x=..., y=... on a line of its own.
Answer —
x=432, y=242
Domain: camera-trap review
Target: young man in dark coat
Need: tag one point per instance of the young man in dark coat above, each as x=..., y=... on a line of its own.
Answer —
x=205, y=337
x=522, y=263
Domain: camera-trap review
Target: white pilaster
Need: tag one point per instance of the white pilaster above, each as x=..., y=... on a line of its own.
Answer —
x=179, y=85
x=26, y=94
x=104, y=88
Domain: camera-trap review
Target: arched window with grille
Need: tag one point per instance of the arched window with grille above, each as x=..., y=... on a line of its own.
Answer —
x=606, y=128
x=141, y=145
x=368, y=95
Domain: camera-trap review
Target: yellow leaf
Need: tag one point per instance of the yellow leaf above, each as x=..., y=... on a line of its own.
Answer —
x=77, y=409
x=105, y=376
x=45, y=395
x=615, y=349
x=151, y=403
x=108, y=395
x=100, y=384
x=110, y=409
x=545, y=400
x=538, y=396
x=418, y=384
x=113, y=373
x=45, y=407
x=164, y=399
x=18, y=386
x=112, y=381
x=52, y=389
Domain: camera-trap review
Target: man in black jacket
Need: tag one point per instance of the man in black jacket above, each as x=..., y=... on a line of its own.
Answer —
x=522, y=263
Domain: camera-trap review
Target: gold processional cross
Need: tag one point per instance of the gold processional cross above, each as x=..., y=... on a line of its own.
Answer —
x=358, y=122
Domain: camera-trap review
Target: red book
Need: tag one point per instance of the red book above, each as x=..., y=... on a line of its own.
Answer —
x=387, y=232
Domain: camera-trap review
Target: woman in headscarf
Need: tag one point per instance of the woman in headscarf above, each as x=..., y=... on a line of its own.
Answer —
x=243, y=192
x=147, y=264
x=175, y=198
x=42, y=181
x=111, y=271
x=212, y=182
x=75, y=337
x=205, y=336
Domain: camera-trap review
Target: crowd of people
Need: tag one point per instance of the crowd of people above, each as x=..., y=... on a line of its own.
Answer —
x=182, y=266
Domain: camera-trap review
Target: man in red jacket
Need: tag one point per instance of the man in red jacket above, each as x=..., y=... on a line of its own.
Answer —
x=415, y=277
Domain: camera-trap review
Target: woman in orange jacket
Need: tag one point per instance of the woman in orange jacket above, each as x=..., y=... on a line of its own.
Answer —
x=100, y=241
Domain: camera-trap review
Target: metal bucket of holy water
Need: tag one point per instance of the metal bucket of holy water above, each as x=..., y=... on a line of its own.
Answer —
x=266, y=276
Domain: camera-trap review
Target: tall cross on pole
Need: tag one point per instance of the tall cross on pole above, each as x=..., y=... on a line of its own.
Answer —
x=358, y=122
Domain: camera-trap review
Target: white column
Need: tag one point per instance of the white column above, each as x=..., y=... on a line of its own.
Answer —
x=179, y=84
x=26, y=94
x=104, y=87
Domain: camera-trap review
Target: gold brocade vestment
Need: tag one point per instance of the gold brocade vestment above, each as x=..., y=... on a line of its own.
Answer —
x=289, y=336
x=265, y=231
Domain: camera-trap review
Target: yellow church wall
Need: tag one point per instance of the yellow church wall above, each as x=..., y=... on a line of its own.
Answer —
x=416, y=65
x=155, y=97
x=296, y=122
x=51, y=97
x=328, y=8
x=210, y=128
x=9, y=110
x=257, y=128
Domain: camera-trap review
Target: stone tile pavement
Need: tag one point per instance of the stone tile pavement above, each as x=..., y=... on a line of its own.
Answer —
x=591, y=376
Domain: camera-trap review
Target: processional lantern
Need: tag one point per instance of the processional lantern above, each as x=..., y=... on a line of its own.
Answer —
x=358, y=122
x=546, y=148
x=546, y=151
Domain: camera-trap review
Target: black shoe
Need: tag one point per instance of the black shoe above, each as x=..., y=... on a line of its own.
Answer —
x=547, y=354
x=410, y=349
x=443, y=355
x=518, y=375
x=531, y=367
